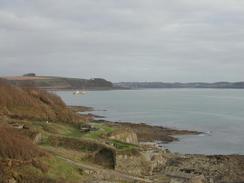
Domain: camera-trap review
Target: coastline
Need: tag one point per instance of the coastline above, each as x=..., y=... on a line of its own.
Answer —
x=150, y=133
x=166, y=165
x=217, y=112
x=145, y=132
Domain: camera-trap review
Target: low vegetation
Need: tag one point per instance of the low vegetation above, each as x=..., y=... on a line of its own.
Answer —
x=102, y=131
x=61, y=170
x=75, y=144
x=34, y=104
x=14, y=145
x=122, y=145
x=47, y=82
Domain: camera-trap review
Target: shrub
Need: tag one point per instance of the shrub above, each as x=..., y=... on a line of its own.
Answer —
x=34, y=104
x=14, y=145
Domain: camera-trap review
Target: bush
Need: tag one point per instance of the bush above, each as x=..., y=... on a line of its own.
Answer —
x=34, y=104
x=14, y=145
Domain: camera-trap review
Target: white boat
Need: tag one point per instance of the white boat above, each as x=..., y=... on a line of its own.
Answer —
x=78, y=92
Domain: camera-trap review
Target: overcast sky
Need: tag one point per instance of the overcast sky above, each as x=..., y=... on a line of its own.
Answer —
x=124, y=40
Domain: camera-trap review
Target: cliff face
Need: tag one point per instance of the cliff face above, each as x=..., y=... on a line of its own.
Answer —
x=33, y=104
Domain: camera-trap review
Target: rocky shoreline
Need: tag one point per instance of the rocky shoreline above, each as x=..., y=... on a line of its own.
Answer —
x=149, y=133
x=161, y=165
x=144, y=132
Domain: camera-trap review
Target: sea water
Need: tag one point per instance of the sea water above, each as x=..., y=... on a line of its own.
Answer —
x=217, y=112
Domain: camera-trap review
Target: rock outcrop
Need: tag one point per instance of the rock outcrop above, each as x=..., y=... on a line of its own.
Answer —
x=125, y=135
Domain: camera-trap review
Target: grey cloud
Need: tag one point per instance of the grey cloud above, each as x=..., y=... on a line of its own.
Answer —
x=124, y=40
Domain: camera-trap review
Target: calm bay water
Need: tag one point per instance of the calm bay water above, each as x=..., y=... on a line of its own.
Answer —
x=216, y=111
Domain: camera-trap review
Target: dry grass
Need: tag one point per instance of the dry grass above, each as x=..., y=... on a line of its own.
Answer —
x=30, y=103
x=14, y=145
x=76, y=144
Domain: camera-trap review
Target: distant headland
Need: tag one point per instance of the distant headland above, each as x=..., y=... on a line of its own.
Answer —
x=66, y=83
x=145, y=85
x=59, y=83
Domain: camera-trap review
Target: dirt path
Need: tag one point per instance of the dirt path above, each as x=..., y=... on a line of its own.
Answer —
x=106, y=173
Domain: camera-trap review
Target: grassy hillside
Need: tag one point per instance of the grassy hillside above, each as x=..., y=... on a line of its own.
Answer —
x=23, y=161
x=32, y=150
x=22, y=157
x=46, y=82
x=14, y=145
x=29, y=103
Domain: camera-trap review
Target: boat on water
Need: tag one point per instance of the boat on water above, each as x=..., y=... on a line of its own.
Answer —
x=78, y=92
